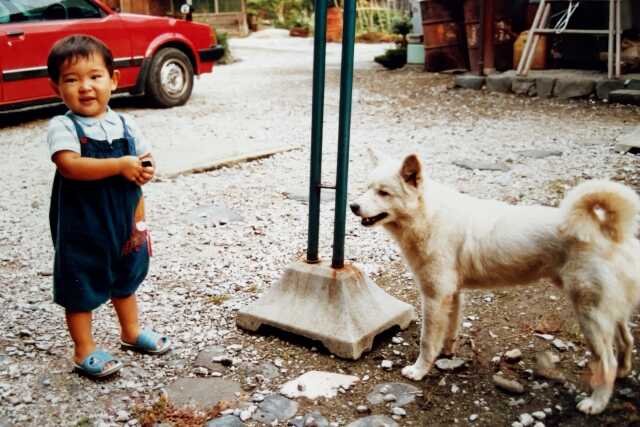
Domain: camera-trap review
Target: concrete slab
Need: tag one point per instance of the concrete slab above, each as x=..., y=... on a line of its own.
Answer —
x=315, y=384
x=341, y=308
x=625, y=96
x=202, y=393
x=182, y=159
x=629, y=142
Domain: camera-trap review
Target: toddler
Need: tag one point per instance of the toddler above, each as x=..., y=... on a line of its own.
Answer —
x=101, y=242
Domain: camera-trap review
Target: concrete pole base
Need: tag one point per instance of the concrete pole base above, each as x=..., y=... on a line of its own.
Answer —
x=341, y=308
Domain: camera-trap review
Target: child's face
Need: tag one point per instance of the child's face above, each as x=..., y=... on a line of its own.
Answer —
x=85, y=85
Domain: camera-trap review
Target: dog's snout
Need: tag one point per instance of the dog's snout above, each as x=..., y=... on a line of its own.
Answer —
x=355, y=208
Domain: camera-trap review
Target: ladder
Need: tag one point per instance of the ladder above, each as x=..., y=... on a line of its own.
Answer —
x=539, y=26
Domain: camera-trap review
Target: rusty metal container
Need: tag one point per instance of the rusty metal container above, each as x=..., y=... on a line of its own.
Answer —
x=443, y=32
x=503, y=37
x=472, y=15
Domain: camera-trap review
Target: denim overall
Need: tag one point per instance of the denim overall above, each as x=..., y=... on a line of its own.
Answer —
x=100, y=240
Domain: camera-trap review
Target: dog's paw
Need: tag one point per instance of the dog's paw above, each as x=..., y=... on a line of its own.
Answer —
x=415, y=372
x=591, y=406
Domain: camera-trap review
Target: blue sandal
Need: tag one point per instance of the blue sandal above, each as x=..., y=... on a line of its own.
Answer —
x=94, y=364
x=149, y=342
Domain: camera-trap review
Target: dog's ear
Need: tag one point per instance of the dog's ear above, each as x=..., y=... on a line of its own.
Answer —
x=411, y=171
x=373, y=156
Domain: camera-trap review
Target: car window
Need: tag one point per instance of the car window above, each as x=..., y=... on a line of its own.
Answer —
x=47, y=10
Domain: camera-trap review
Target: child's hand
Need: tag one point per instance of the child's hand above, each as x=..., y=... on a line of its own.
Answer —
x=148, y=171
x=131, y=168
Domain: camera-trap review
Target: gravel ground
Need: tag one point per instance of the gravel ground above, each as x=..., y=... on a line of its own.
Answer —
x=223, y=237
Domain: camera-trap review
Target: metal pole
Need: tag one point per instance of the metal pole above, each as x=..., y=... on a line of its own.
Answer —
x=481, y=31
x=317, y=110
x=346, y=85
x=612, y=18
x=618, y=31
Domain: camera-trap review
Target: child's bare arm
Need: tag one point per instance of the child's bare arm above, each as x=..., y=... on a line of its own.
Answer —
x=73, y=166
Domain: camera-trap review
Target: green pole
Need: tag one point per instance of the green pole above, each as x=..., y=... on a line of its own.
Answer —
x=319, y=56
x=346, y=85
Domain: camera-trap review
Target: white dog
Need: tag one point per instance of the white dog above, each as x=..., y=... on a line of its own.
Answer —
x=452, y=241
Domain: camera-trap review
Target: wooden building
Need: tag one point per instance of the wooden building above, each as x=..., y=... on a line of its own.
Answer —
x=227, y=16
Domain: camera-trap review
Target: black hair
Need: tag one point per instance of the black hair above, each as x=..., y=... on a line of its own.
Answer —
x=74, y=47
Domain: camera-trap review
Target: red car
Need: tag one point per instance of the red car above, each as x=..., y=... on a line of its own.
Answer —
x=156, y=56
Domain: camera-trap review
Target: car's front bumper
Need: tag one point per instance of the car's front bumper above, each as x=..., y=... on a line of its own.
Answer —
x=211, y=54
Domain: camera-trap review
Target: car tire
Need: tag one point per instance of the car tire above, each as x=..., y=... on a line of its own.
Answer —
x=170, y=79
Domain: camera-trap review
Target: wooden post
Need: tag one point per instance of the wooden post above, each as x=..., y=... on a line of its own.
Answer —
x=488, y=39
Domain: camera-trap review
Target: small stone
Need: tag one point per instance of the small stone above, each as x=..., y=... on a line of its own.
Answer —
x=473, y=417
x=455, y=389
x=546, y=337
x=396, y=410
x=526, y=419
x=389, y=397
x=362, y=409
x=201, y=371
x=513, y=355
x=386, y=364
x=539, y=424
x=449, y=364
x=539, y=415
x=559, y=344
x=511, y=386
x=397, y=340
x=516, y=424
x=122, y=416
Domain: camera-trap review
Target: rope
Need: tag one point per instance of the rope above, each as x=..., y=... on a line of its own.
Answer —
x=565, y=17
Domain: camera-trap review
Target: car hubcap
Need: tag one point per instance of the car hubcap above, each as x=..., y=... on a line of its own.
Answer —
x=173, y=78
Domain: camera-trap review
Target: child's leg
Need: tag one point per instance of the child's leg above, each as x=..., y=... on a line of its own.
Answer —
x=79, y=324
x=127, y=311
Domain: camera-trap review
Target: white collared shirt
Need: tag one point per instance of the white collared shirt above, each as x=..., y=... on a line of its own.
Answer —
x=62, y=135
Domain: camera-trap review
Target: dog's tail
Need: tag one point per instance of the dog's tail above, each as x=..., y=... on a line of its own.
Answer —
x=597, y=209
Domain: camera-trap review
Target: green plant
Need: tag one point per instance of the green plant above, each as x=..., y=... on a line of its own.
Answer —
x=393, y=58
x=223, y=40
x=402, y=26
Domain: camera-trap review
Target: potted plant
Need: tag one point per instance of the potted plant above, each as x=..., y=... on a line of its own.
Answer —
x=301, y=27
x=397, y=58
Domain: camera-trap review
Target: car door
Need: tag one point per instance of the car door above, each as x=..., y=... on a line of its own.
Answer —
x=32, y=29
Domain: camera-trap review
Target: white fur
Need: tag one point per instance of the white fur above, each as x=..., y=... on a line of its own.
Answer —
x=452, y=241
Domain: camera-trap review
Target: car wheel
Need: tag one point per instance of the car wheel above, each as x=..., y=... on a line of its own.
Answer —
x=170, y=79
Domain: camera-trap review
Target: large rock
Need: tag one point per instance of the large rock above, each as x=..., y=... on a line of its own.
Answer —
x=203, y=393
x=374, y=421
x=469, y=81
x=226, y=421
x=206, y=357
x=567, y=88
x=275, y=407
x=313, y=419
x=625, y=96
x=544, y=86
x=605, y=87
x=523, y=86
x=404, y=393
x=499, y=82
